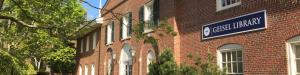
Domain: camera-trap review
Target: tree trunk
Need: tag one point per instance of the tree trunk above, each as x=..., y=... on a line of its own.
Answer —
x=37, y=63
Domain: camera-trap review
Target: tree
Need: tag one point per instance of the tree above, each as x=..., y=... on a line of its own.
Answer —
x=165, y=65
x=201, y=67
x=39, y=31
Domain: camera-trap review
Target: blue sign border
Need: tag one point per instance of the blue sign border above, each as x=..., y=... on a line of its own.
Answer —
x=265, y=16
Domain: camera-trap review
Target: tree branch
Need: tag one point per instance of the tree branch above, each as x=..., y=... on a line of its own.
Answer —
x=17, y=21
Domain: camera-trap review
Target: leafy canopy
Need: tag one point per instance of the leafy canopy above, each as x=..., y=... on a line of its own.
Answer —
x=38, y=29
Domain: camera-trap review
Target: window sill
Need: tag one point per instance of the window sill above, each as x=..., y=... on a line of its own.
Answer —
x=127, y=38
x=109, y=43
x=220, y=8
x=148, y=31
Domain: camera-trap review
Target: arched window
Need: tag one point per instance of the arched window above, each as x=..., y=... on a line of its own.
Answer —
x=80, y=70
x=293, y=48
x=93, y=69
x=110, y=60
x=150, y=58
x=86, y=70
x=230, y=57
x=126, y=60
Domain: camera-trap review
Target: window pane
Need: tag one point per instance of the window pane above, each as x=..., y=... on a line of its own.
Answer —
x=234, y=56
x=297, y=51
x=240, y=67
x=229, y=56
x=233, y=1
x=229, y=68
x=239, y=56
x=234, y=67
x=228, y=2
x=223, y=57
x=298, y=65
x=223, y=3
x=224, y=65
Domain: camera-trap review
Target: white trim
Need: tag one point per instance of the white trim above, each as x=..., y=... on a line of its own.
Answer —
x=266, y=24
x=147, y=15
x=125, y=27
x=87, y=43
x=125, y=59
x=109, y=34
x=81, y=45
x=95, y=40
x=86, y=70
x=229, y=48
x=93, y=69
x=80, y=70
x=150, y=58
x=292, y=66
x=220, y=7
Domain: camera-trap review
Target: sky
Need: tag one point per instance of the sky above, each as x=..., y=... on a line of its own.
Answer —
x=92, y=12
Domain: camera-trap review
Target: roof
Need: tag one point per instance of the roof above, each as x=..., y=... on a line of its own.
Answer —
x=86, y=28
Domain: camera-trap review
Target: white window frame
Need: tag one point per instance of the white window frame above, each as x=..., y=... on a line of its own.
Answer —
x=125, y=62
x=93, y=69
x=86, y=70
x=148, y=12
x=150, y=58
x=95, y=40
x=109, y=34
x=229, y=48
x=87, y=43
x=125, y=27
x=80, y=70
x=291, y=52
x=81, y=45
x=109, y=66
x=110, y=61
x=220, y=7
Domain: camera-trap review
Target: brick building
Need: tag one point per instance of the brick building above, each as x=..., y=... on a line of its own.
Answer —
x=251, y=37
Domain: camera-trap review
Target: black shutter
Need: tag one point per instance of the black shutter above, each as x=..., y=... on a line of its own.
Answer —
x=130, y=23
x=141, y=17
x=106, y=34
x=156, y=12
x=112, y=31
x=121, y=28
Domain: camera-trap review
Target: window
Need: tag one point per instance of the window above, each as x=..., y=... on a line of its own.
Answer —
x=87, y=43
x=81, y=45
x=225, y=4
x=293, y=46
x=80, y=70
x=93, y=69
x=125, y=61
x=86, y=70
x=150, y=58
x=110, y=33
x=148, y=16
x=126, y=25
x=95, y=40
x=128, y=69
x=110, y=64
x=230, y=57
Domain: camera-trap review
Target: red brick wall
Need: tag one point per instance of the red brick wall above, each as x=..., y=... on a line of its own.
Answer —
x=87, y=57
x=140, y=59
x=264, y=51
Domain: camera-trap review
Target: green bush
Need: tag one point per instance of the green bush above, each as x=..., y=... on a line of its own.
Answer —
x=166, y=65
